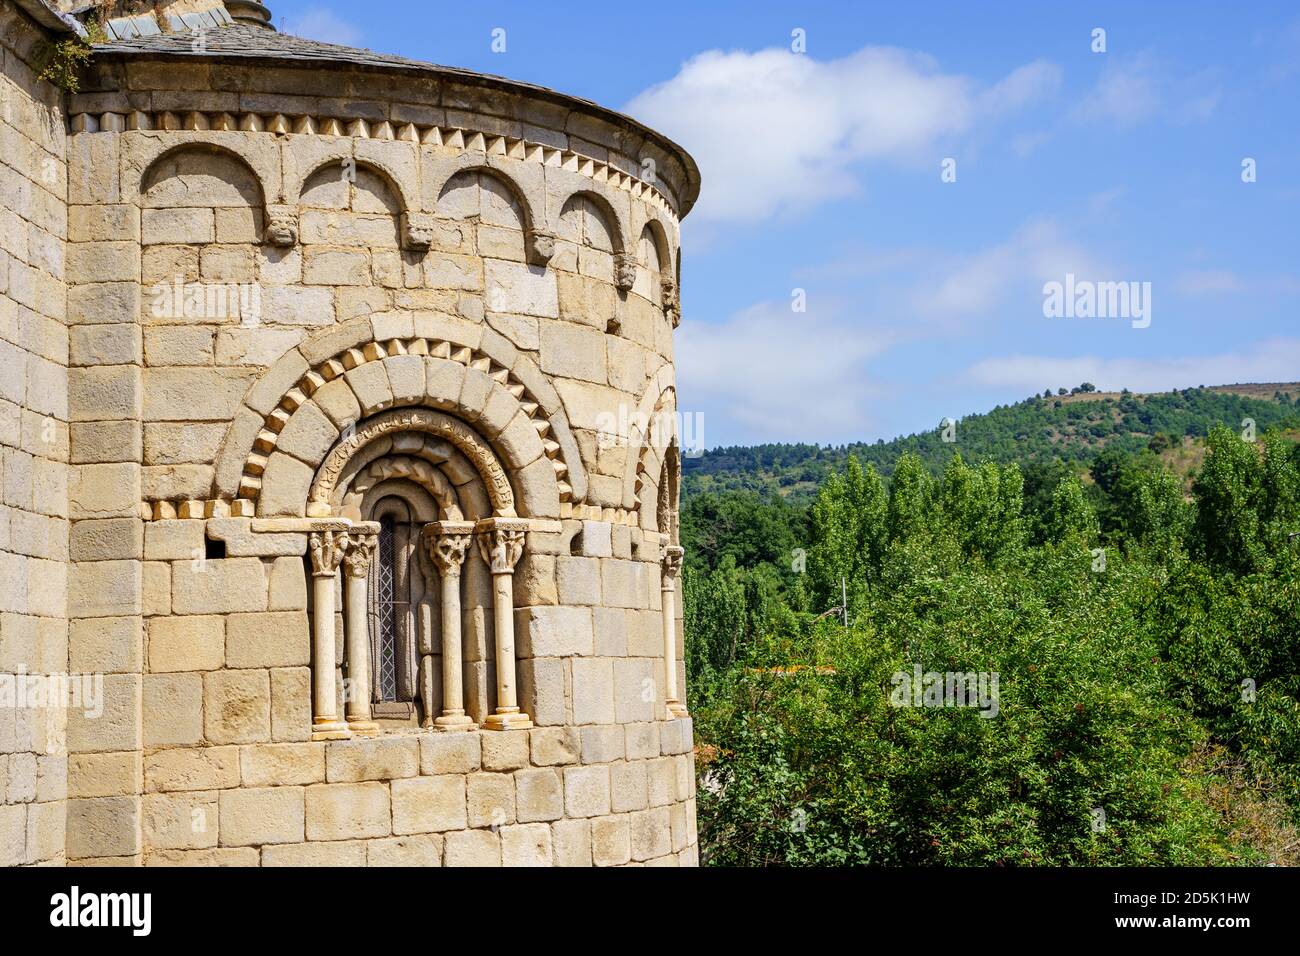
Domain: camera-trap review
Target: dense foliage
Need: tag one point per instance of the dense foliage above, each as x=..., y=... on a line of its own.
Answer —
x=1145, y=643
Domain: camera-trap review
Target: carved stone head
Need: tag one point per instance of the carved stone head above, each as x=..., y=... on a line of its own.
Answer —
x=417, y=230
x=671, y=303
x=281, y=227
x=541, y=246
x=624, y=271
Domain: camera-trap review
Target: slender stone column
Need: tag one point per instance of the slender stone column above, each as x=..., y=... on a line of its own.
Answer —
x=501, y=543
x=363, y=541
x=672, y=565
x=425, y=632
x=447, y=543
x=327, y=547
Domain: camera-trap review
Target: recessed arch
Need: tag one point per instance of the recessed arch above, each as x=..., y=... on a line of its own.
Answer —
x=370, y=191
x=533, y=219
x=193, y=160
x=415, y=470
x=647, y=438
x=653, y=250
x=399, y=184
x=408, y=421
x=614, y=222
x=148, y=154
x=423, y=507
x=669, y=493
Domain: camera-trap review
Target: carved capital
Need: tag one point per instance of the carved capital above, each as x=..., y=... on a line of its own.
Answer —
x=446, y=543
x=417, y=230
x=281, y=226
x=672, y=563
x=327, y=550
x=501, y=543
x=624, y=271
x=541, y=246
x=362, y=546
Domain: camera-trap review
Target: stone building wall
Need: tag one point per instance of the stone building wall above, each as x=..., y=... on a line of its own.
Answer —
x=34, y=355
x=269, y=265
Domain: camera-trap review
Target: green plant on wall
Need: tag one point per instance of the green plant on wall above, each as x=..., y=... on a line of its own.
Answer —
x=61, y=62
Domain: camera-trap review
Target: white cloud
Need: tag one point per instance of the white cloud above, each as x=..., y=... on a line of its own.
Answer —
x=321, y=23
x=978, y=283
x=1022, y=87
x=774, y=131
x=1134, y=89
x=1127, y=92
x=1207, y=281
x=1275, y=360
x=858, y=260
x=1200, y=282
x=778, y=375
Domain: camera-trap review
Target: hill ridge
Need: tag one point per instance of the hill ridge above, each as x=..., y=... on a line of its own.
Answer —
x=1073, y=427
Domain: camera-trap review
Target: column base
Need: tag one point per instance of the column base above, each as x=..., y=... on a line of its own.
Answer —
x=454, y=723
x=512, y=721
x=330, y=730
x=363, y=728
x=676, y=709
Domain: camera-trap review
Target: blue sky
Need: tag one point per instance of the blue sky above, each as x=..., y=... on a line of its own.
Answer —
x=822, y=173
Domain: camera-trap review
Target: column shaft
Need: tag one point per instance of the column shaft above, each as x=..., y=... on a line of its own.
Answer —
x=501, y=543
x=362, y=545
x=327, y=549
x=672, y=563
x=447, y=543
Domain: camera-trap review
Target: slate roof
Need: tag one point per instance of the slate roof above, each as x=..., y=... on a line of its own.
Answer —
x=260, y=43
x=240, y=40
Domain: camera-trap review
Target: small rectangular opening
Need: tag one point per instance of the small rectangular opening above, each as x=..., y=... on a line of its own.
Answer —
x=213, y=549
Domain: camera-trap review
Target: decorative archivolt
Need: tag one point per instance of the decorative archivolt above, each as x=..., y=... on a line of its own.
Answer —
x=337, y=367
x=418, y=470
x=485, y=145
x=509, y=381
x=409, y=420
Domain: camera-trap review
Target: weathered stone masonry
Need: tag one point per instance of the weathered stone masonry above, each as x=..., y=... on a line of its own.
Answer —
x=313, y=357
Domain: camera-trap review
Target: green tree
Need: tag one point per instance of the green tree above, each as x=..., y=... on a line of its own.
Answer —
x=1070, y=518
x=1228, y=493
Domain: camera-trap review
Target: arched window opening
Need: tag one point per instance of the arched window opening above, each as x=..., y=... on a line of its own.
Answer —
x=386, y=611
x=421, y=527
x=395, y=586
x=669, y=485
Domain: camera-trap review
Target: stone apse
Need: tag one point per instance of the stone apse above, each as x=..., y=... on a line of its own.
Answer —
x=368, y=468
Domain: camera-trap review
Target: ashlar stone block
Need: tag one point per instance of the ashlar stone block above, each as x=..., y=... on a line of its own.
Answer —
x=429, y=804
